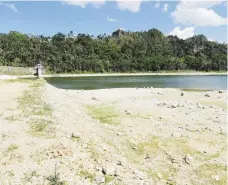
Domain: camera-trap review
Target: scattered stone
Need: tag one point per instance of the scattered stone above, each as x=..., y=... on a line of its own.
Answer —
x=109, y=170
x=188, y=159
x=182, y=94
x=147, y=156
x=119, y=134
x=127, y=112
x=135, y=147
x=173, y=106
x=100, y=179
x=94, y=98
x=75, y=135
x=207, y=95
x=119, y=163
x=216, y=178
x=60, y=153
x=220, y=91
x=173, y=160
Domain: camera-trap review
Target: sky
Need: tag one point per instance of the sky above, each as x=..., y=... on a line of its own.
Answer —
x=181, y=18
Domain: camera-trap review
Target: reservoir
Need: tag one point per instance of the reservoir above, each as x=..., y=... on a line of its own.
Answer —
x=207, y=82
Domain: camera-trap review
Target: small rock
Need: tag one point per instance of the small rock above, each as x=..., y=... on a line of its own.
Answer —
x=119, y=163
x=100, y=179
x=109, y=170
x=119, y=134
x=207, y=95
x=182, y=94
x=216, y=178
x=147, y=156
x=173, y=106
x=75, y=135
x=94, y=98
x=173, y=160
x=220, y=91
x=188, y=159
x=135, y=147
x=127, y=112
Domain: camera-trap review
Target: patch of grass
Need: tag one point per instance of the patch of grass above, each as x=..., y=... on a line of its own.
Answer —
x=55, y=178
x=12, y=148
x=94, y=153
x=213, y=156
x=43, y=110
x=158, y=146
x=207, y=171
x=10, y=155
x=41, y=127
x=10, y=173
x=29, y=175
x=87, y=175
x=150, y=146
x=31, y=99
x=166, y=172
x=109, y=178
x=105, y=114
x=32, y=104
x=12, y=118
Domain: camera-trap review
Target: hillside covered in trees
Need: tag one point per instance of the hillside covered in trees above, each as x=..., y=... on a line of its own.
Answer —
x=120, y=52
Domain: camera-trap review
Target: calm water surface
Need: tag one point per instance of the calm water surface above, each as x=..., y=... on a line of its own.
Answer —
x=185, y=82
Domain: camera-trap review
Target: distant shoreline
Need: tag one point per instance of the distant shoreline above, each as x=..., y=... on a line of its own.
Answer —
x=5, y=77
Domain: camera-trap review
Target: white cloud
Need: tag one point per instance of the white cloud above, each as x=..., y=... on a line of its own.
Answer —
x=165, y=8
x=9, y=5
x=157, y=5
x=198, y=13
x=109, y=19
x=123, y=29
x=183, y=34
x=84, y=3
x=210, y=39
x=133, y=6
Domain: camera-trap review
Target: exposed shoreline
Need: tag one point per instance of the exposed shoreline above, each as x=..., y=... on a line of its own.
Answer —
x=5, y=77
x=121, y=136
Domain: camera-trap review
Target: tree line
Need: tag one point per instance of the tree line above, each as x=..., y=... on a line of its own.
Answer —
x=122, y=51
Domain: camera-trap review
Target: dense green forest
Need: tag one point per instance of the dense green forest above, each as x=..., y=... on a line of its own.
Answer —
x=123, y=51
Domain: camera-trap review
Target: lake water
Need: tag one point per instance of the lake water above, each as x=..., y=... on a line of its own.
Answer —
x=209, y=82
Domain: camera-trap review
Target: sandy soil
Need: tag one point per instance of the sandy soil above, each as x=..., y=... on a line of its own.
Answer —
x=112, y=136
